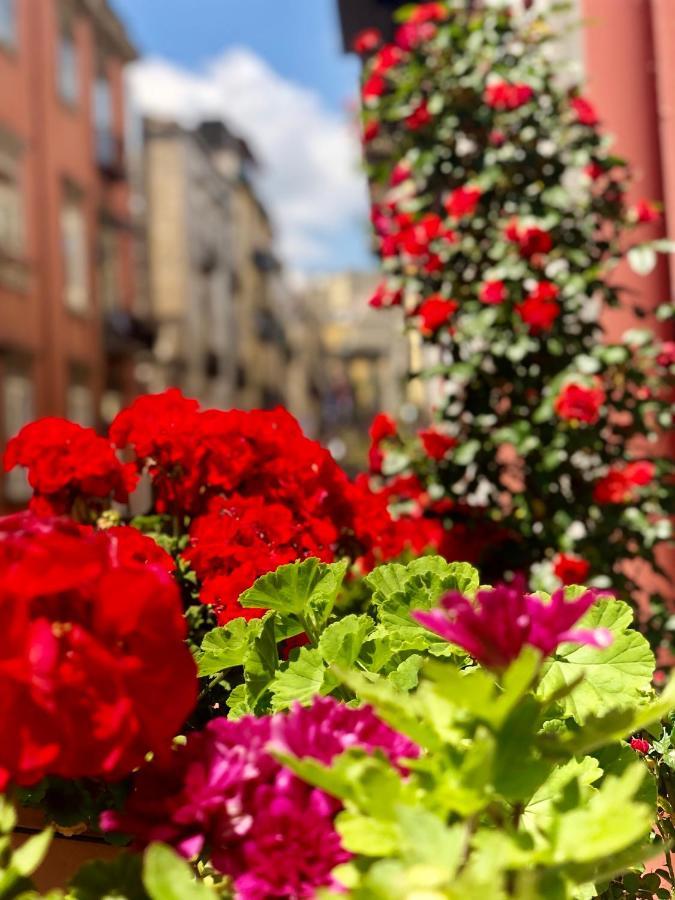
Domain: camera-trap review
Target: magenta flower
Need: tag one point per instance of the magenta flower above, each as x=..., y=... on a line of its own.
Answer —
x=500, y=622
x=225, y=795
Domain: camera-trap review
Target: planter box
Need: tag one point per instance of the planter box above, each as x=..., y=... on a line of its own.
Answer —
x=67, y=853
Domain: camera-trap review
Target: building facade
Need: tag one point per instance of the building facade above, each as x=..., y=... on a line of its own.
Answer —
x=67, y=291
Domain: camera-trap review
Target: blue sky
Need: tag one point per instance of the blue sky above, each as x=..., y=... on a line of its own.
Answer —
x=224, y=60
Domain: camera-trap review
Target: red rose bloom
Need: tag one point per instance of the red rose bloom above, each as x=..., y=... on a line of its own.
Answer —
x=382, y=427
x=492, y=293
x=429, y=12
x=645, y=212
x=501, y=95
x=413, y=34
x=67, y=465
x=463, y=202
x=579, y=403
x=640, y=745
x=435, y=312
x=531, y=241
x=666, y=355
x=384, y=297
x=640, y=473
x=419, y=117
x=400, y=173
x=585, y=111
x=370, y=131
x=366, y=41
x=618, y=485
x=91, y=649
x=540, y=309
x=374, y=87
x=571, y=569
x=387, y=59
x=436, y=444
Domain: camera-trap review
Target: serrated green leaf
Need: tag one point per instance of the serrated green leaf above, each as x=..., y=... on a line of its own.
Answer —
x=307, y=589
x=261, y=662
x=120, y=877
x=614, y=677
x=226, y=647
x=300, y=681
x=341, y=643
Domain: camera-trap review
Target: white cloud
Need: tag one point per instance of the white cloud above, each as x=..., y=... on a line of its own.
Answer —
x=309, y=155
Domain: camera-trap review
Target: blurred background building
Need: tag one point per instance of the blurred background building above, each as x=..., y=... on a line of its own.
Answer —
x=138, y=255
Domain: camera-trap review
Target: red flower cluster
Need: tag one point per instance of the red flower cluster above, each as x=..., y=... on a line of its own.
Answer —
x=620, y=483
x=382, y=428
x=95, y=670
x=68, y=463
x=502, y=95
x=419, y=241
x=579, y=403
x=412, y=34
x=384, y=297
x=645, y=212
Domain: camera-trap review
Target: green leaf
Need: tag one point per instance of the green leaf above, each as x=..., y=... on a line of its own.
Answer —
x=540, y=811
x=168, y=877
x=261, y=662
x=307, y=589
x=300, y=681
x=610, y=822
x=30, y=855
x=341, y=643
x=225, y=647
x=617, y=676
x=367, y=836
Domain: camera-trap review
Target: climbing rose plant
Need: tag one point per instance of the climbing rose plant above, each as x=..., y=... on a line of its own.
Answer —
x=500, y=214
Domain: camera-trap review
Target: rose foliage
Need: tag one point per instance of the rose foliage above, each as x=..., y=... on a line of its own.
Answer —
x=500, y=214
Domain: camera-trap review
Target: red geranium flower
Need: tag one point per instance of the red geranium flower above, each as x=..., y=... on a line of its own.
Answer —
x=419, y=117
x=579, y=403
x=435, y=312
x=367, y=40
x=492, y=293
x=436, y=444
x=496, y=626
x=640, y=745
x=67, y=465
x=92, y=648
x=463, y=202
x=585, y=111
x=571, y=569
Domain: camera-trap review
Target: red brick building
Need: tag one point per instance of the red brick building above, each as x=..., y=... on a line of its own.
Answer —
x=67, y=287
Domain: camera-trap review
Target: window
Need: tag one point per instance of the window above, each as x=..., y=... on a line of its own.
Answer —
x=106, y=151
x=18, y=410
x=80, y=402
x=11, y=213
x=8, y=22
x=108, y=271
x=67, y=75
x=75, y=263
